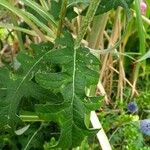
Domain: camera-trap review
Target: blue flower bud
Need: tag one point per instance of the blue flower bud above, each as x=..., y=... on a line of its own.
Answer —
x=145, y=126
x=132, y=107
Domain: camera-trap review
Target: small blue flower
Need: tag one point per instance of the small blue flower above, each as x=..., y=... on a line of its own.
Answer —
x=145, y=126
x=132, y=107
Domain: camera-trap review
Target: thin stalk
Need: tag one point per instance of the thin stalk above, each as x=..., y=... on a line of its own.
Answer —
x=86, y=21
x=142, y=49
x=18, y=33
x=62, y=16
x=121, y=62
x=106, y=75
x=140, y=27
x=27, y=31
x=12, y=27
x=44, y=4
x=144, y=18
x=30, y=118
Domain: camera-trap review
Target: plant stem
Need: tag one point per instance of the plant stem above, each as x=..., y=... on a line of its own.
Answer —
x=62, y=16
x=18, y=33
x=44, y=4
x=24, y=30
x=140, y=27
x=86, y=21
x=30, y=118
x=142, y=49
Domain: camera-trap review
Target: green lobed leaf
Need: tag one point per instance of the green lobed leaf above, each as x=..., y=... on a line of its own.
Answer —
x=16, y=85
x=76, y=74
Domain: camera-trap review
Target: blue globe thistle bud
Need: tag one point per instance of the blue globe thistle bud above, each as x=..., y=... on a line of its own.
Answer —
x=132, y=107
x=145, y=126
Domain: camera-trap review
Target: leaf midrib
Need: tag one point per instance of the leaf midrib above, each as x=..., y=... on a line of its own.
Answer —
x=73, y=87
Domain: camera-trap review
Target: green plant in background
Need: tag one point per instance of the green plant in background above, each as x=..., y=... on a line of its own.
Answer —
x=71, y=53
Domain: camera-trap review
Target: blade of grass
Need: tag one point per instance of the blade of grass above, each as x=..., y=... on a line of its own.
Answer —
x=96, y=34
x=30, y=32
x=44, y=4
x=22, y=15
x=142, y=41
x=40, y=24
x=40, y=10
x=12, y=27
x=140, y=26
